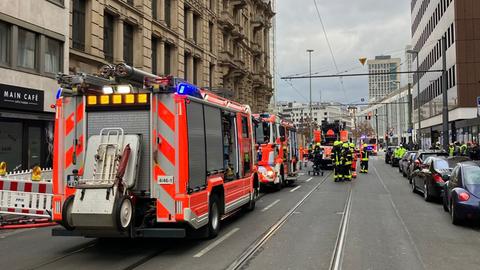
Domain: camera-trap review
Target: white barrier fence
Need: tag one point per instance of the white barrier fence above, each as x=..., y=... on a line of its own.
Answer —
x=20, y=195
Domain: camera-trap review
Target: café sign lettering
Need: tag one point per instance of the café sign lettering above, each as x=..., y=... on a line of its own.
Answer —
x=13, y=97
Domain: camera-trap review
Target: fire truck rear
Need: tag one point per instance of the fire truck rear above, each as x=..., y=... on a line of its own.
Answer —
x=277, y=150
x=138, y=155
x=330, y=133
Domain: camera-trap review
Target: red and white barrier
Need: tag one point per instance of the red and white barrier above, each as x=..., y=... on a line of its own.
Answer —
x=20, y=195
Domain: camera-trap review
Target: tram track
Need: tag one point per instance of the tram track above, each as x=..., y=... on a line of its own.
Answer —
x=251, y=250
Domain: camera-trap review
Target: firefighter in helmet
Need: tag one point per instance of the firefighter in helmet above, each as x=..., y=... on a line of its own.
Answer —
x=336, y=159
x=346, y=161
x=364, y=159
x=354, y=160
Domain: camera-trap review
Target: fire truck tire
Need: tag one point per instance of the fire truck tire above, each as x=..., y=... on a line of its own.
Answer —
x=123, y=213
x=213, y=225
x=67, y=214
x=250, y=206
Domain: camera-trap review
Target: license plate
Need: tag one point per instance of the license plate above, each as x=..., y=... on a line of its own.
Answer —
x=165, y=180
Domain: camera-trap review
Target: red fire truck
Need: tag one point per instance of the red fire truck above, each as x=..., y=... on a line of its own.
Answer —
x=164, y=159
x=277, y=150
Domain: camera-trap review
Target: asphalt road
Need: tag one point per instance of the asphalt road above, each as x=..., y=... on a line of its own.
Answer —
x=375, y=222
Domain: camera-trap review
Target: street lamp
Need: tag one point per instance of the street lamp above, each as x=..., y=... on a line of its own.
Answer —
x=310, y=51
x=418, y=94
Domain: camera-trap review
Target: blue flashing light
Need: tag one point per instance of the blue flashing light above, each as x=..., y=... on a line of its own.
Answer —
x=188, y=89
x=59, y=93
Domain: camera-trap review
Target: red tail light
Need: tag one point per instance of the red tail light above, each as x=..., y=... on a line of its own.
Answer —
x=437, y=178
x=463, y=197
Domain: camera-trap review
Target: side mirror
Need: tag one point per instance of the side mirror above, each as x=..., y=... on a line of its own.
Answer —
x=446, y=177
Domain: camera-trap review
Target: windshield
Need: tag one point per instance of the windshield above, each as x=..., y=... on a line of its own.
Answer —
x=471, y=175
x=441, y=164
x=262, y=133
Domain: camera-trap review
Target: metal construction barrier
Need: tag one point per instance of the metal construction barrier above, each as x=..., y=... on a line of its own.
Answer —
x=20, y=195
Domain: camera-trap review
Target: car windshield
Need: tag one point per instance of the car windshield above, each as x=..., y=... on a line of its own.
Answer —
x=262, y=133
x=472, y=175
x=441, y=164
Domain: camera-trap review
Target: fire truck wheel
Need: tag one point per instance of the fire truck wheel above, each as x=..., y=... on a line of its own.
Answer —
x=213, y=217
x=250, y=206
x=67, y=214
x=123, y=213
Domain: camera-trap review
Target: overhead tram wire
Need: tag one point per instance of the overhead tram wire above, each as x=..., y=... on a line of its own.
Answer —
x=293, y=87
x=329, y=46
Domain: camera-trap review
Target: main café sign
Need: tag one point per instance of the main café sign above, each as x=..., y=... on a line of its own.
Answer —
x=14, y=97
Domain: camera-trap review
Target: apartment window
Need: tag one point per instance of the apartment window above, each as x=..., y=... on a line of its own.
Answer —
x=108, y=21
x=185, y=61
x=155, y=9
x=185, y=22
x=60, y=2
x=78, y=24
x=154, y=56
x=27, y=46
x=210, y=76
x=196, y=69
x=210, y=36
x=128, y=43
x=211, y=4
x=130, y=2
x=168, y=10
x=4, y=43
x=53, y=55
x=167, y=59
x=195, y=28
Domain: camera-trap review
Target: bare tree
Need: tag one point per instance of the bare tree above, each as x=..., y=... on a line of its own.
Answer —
x=363, y=129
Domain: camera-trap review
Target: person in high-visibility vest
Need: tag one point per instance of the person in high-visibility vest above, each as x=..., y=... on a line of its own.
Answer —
x=346, y=162
x=354, y=160
x=336, y=156
x=364, y=159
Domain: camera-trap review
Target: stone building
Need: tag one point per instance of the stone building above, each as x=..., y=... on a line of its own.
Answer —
x=222, y=45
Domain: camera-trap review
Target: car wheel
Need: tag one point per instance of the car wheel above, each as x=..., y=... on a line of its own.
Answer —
x=67, y=214
x=414, y=188
x=426, y=193
x=453, y=214
x=124, y=212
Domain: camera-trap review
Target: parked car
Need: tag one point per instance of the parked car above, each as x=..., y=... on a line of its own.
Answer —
x=433, y=173
x=402, y=163
x=461, y=195
x=406, y=165
x=420, y=158
x=389, y=153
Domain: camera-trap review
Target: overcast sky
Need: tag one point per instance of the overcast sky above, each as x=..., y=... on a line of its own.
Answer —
x=355, y=28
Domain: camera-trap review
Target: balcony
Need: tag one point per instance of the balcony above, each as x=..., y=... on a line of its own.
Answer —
x=239, y=3
x=258, y=21
x=256, y=48
x=226, y=20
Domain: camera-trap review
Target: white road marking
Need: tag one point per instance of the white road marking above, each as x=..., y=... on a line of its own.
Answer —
x=309, y=179
x=270, y=205
x=216, y=243
x=292, y=190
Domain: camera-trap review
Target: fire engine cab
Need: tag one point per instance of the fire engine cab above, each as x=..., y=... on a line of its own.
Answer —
x=137, y=155
x=277, y=150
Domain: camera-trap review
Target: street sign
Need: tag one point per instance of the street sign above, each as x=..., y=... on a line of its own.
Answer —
x=478, y=106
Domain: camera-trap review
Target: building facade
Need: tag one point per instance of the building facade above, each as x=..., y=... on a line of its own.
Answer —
x=391, y=114
x=33, y=49
x=457, y=21
x=299, y=113
x=222, y=45
x=380, y=86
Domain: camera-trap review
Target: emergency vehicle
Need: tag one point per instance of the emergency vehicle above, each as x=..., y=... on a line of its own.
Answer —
x=165, y=159
x=277, y=150
x=330, y=132
x=372, y=145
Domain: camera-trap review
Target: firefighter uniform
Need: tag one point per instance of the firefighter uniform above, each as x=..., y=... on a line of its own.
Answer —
x=336, y=158
x=346, y=162
x=354, y=160
x=364, y=160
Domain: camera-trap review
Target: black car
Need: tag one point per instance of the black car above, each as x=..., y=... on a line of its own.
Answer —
x=420, y=158
x=389, y=153
x=433, y=173
x=461, y=194
x=405, y=162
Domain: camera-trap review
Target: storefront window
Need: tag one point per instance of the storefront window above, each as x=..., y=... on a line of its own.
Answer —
x=34, y=146
x=11, y=144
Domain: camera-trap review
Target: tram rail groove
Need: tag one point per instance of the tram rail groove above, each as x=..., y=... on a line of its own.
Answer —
x=337, y=255
x=250, y=251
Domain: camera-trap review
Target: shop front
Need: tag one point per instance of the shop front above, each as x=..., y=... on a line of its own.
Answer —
x=26, y=130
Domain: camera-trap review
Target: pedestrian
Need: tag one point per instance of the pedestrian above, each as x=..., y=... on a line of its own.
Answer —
x=463, y=149
x=336, y=153
x=451, y=150
x=364, y=159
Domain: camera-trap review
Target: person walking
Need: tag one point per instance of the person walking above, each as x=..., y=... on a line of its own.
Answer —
x=364, y=159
